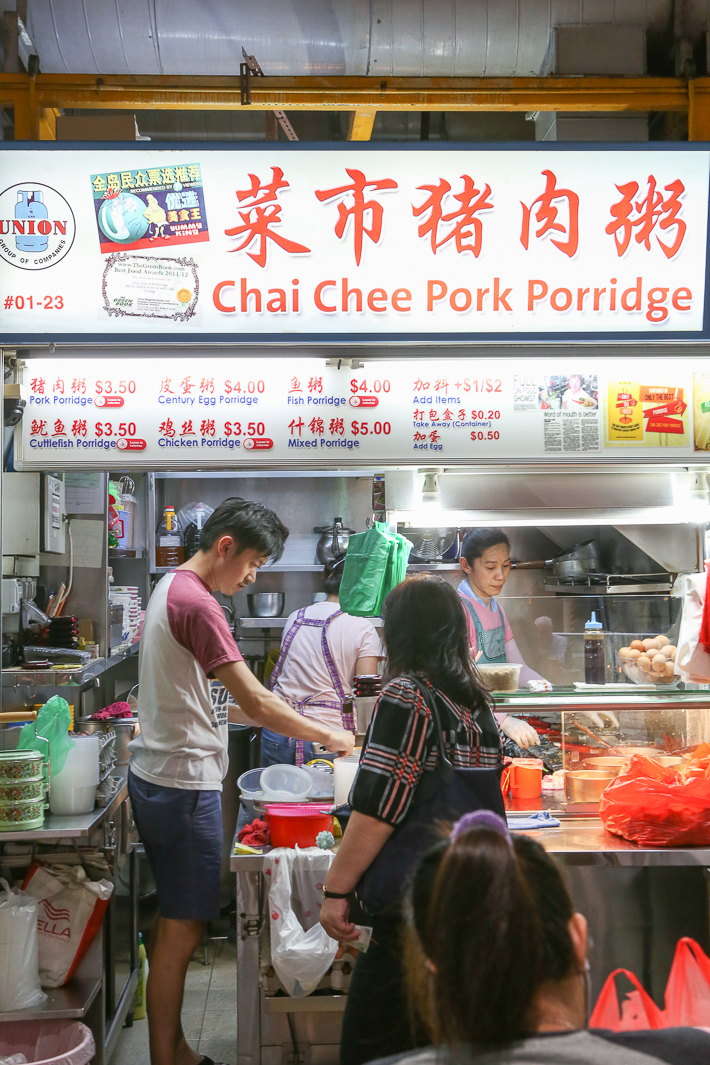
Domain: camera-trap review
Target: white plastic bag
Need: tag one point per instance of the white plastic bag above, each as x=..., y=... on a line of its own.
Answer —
x=19, y=969
x=70, y=911
x=692, y=661
x=301, y=949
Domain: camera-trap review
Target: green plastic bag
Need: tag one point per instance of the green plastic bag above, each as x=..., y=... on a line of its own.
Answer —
x=375, y=562
x=363, y=572
x=396, y=571
x=53, y=722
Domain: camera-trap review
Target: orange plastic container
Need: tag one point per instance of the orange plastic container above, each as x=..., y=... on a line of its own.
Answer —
x=526, y=778
x=293, y=825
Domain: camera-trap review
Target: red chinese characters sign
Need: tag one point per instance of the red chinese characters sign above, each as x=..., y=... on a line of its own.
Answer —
x=355, y=242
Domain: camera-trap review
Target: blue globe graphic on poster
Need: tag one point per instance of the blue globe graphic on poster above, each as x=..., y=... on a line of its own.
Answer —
x=121, y=218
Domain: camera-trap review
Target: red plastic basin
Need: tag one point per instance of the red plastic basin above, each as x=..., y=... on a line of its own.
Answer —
x=294, y=825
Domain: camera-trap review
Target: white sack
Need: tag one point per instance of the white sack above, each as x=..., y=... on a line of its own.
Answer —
x=301, y=949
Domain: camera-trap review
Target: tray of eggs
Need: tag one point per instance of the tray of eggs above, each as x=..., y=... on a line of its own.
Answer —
x=650, y=661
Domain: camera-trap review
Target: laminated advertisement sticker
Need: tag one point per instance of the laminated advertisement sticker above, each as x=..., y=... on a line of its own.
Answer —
x=156, y=206
x=647, y=415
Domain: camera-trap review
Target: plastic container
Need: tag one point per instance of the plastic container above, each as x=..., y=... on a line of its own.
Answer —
x=297, y=826
x=323, y=783
x=285, y=783
x=73, y=790
x=526, y=778
x=345, y=773
x=249, y=784
x=169, y=541
x=501, y=677
x=48, y=1042
x=594, y=661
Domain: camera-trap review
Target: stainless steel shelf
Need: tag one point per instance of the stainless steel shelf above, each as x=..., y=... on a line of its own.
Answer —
x=298, y=567
x=72, y=826
x=71, y=1001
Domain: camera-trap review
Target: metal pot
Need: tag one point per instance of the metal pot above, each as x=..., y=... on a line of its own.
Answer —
x=333, y=541
x=266, y=604
x=586, y=785
x=124, y=727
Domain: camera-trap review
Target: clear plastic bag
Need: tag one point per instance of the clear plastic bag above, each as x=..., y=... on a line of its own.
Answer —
x=301, y=949
x=19, y=966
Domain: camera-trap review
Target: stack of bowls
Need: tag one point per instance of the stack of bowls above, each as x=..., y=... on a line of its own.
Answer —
x=22, y=790
x=73, y=789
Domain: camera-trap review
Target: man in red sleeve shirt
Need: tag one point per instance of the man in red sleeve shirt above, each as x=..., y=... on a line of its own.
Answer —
x=179, y=759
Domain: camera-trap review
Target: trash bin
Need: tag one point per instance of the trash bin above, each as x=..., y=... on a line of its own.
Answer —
x=48, y=1042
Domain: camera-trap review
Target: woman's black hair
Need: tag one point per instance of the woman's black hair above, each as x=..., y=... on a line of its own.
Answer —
x=476, y=541
x=425, y=632
x=333, y=573
x=492, y=918
x=250, y=524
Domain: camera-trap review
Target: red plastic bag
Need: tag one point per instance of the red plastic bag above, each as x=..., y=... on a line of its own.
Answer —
x=637, y=1012
x=688, y=988
x=657, y=806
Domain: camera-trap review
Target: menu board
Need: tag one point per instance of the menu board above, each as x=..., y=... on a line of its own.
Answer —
x=160, y=413
x=368, y=241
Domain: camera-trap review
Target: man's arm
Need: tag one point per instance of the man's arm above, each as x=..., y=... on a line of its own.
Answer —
x=267, y=710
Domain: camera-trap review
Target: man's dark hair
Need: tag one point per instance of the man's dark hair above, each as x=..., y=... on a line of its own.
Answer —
x=250, y=524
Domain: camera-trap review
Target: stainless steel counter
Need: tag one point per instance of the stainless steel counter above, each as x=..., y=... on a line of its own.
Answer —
x=582, y=842
x=75, y=826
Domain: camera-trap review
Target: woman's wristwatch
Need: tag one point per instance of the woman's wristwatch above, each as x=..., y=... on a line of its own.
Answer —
x=335, y=894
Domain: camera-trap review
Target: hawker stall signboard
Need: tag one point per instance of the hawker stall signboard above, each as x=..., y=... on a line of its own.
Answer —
x=184, y=413
x=353, y=242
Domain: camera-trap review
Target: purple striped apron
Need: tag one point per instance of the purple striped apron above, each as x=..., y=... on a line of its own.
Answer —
x=314, y=701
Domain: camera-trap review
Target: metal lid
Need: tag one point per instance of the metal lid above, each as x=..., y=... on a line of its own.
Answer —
x=21, y=756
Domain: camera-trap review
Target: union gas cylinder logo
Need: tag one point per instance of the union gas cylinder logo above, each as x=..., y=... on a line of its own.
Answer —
x=37, y=226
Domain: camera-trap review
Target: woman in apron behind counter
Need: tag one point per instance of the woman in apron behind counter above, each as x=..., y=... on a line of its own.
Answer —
x=485, y=560
x=322, y=650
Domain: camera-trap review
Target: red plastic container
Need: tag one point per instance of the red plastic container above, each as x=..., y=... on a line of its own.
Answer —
x=294, y=824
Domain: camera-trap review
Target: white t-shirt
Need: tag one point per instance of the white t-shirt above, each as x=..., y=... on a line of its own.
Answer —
x=305, y=675
x=183, y=737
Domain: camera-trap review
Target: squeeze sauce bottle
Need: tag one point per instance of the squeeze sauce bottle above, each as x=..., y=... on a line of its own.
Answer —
x=594, y=663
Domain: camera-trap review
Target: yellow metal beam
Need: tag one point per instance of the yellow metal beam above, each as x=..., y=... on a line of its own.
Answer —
x=699, y=109
x=48, y=123
x=86, y=91
x=361, y=124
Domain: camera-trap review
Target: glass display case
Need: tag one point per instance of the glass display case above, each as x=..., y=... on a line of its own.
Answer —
x=586, y=738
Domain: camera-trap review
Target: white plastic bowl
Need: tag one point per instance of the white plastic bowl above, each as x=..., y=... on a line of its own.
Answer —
x=286, y=783
x=249, y=784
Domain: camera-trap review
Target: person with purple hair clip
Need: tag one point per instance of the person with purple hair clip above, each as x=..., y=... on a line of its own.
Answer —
x=497, y=961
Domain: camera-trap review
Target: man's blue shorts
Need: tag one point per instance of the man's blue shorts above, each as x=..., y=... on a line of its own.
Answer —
x=182, y=834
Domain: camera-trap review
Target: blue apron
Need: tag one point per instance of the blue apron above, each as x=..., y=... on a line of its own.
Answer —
x=490, y=641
